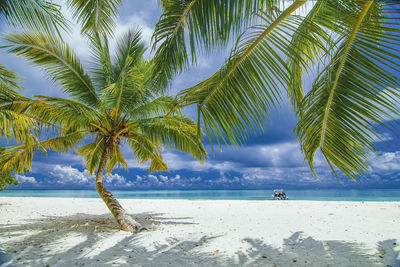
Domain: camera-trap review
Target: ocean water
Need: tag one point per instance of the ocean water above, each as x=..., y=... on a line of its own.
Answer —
x=318, y=195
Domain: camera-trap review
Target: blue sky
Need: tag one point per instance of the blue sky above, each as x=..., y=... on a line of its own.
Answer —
x=267, y=160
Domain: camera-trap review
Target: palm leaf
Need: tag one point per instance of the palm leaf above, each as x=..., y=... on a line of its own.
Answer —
x=95, y=15
x=354, y=93
x=156, y=107
x=101, y=68
x=175, y=132
x=205, y=23
x=58, y=60
x=92, y=153
x=14, y=123
x=116, y=157
x=310, y=42
x=18, y=159
x=64, y=112
x=126, y=81
x=9, y=78
x=144, y=149
x=239, y=95
x=38, y=15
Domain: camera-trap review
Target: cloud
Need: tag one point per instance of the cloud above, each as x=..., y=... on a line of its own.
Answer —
x=115, y=179
x=385, y=162
x=71, y=176
x=25, y=179
x=67, y=175
x=278, y=155
x=136, y=20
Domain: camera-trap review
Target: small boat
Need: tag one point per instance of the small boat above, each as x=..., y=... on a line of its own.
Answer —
x=279, y=194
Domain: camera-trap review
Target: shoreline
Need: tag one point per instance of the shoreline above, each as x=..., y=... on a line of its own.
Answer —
x=384, y=195
x=201, y=199
x=183, y=232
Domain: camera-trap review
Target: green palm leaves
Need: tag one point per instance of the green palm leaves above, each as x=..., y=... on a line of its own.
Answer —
x=38, y=15
x=355, y=45
x=114, y=105
x=58, y=60
x=187, y=25
x=241, y=92
x=95, y=16
x=354, y=92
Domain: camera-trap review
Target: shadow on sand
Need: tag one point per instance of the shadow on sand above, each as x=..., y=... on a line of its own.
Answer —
x=96, y=241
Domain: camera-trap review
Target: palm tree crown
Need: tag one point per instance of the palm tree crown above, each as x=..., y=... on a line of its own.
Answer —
x=117, y=103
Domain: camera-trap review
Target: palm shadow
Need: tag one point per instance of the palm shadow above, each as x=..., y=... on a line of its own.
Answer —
x=89, y=240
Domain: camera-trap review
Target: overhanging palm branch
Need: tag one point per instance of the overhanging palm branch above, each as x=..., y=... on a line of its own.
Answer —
x=38, y=15
x=239, y=95
x=356, y=91
x=186, y=26
x=310, y=42
x=175, y=132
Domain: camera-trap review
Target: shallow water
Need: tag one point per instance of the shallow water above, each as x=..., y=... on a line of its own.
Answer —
x=319, y=195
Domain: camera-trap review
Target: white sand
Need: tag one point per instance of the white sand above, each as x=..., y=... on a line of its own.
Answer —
x=69, y=232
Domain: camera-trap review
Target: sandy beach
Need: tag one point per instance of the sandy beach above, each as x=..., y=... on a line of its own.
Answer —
x=80, y=232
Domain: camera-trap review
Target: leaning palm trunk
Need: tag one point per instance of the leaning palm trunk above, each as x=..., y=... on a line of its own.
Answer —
x=124, y=220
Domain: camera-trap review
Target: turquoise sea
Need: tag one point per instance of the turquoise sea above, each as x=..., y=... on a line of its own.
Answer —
x=320, y=194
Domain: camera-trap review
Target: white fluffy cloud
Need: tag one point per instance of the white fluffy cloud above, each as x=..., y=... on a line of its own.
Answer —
x=70, y=175
x=114, y=179
x=67, y=175
x=235, y=159
x=25, y=179
x=385, y=161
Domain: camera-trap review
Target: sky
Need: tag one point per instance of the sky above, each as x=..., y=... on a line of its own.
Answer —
x=267, y=160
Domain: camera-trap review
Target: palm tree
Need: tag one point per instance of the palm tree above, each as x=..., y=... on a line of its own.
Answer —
x=352, y=45
x=116, y=104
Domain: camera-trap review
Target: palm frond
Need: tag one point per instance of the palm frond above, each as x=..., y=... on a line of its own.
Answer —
x=310, y=42
x=241, y=92
x=18, y=159
x=144, y=149
x=14, y=123
x=38, y=15
x=6, y=177
x=205, y=23
x=130, y=49
x=58, y=60
x=175, y=132
x=92, y=153
x=64, y=112
x=126, y=76
x=65, y=142
x=101, y=68
x=95, y=15
x=355, y=92
x=156, y=107
x=116, y=157
x=9, y=78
